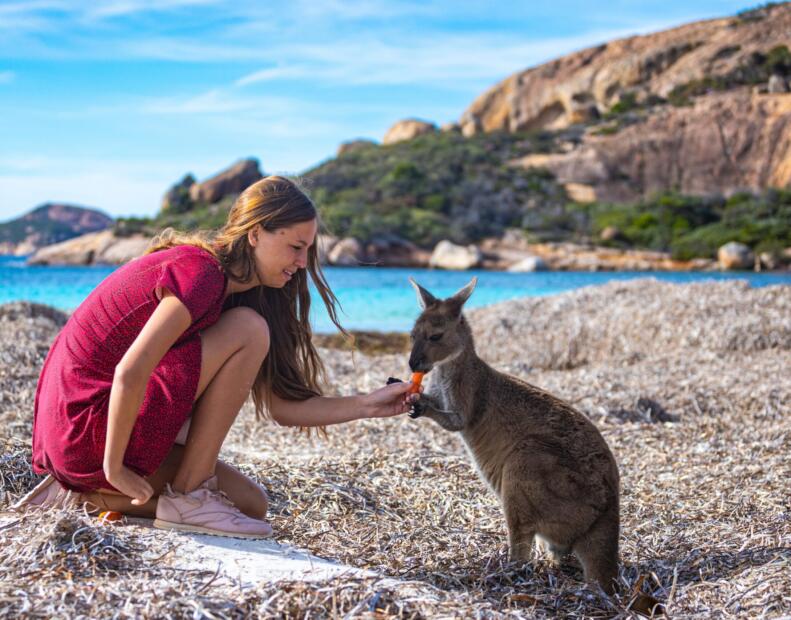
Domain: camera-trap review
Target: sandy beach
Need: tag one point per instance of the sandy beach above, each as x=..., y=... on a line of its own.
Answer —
x=689, y=384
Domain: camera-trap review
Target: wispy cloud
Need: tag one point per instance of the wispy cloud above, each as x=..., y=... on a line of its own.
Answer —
x=6, y=77
x=447, y=60
x=119, y=8
x=272, y=117
x=360, y=42
x=211, y=102
x=275, y=73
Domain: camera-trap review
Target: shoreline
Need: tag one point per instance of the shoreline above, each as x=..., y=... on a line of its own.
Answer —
x=588, y=267
x=512, y=252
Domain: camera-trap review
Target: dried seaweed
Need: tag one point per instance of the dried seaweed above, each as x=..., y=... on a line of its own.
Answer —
x=693, y=395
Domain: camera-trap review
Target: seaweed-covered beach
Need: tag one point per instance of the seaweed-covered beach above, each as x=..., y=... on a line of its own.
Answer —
x=690, y=385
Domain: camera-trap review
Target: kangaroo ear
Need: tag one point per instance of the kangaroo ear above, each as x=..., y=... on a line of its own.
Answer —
x=424, y=298
x=462, y=295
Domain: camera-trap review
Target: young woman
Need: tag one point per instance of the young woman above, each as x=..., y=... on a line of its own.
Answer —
x=166, y=350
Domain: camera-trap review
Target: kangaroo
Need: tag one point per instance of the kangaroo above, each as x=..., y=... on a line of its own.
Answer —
x=552, y=470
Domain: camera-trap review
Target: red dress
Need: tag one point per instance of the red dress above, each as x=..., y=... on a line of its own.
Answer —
x=70, y=416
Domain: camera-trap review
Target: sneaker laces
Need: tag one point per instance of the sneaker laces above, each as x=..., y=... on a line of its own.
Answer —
x=223, y=497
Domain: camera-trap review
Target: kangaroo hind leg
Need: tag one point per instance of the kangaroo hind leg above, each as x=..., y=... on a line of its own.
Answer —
x=521, y=528
x=597, y=551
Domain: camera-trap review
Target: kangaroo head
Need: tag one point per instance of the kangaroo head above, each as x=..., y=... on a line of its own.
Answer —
x=440, y=332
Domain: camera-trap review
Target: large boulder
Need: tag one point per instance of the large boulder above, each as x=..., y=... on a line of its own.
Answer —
x=78, y=251
x=777, y=85
x=408, y=129
x=448, y=255
x=324, y=245
x=578, y=86
x=231, y=181
x=394, y=251
x=177, y=198
x=529, y=264
x=735, y=255
x=123, y=250
x=102, y=247
x=347, y=252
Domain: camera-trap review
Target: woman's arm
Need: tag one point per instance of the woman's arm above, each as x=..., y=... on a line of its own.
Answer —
x=326, y=410
x=168, y=321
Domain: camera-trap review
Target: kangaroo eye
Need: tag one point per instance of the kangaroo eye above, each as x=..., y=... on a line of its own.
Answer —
x=435, y=337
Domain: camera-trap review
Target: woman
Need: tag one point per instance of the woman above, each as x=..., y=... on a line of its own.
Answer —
x=168, y=347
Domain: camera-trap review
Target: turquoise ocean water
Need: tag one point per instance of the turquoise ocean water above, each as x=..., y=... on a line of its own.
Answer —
x=372, y=298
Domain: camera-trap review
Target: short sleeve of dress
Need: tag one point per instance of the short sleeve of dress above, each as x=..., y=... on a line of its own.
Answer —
x=195, y=277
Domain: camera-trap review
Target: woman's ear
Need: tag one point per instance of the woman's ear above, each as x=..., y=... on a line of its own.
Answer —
x=252, y=236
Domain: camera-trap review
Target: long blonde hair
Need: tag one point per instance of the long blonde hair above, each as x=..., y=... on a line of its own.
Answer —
x=292, y=370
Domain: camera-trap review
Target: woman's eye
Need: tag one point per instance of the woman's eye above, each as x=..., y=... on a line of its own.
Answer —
x=296, y=247
x=435, y=337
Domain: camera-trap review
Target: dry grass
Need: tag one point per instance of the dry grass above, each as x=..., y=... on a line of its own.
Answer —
x=700, y=428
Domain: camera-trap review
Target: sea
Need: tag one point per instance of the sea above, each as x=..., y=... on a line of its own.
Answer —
x=372, y=298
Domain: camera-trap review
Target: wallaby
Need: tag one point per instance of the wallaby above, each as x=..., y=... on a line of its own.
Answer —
x=555, y=477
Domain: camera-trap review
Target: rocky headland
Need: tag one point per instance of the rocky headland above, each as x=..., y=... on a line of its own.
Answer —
x=703, y=108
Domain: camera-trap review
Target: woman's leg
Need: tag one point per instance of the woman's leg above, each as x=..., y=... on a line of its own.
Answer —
x=232, y=352
x=228, y=380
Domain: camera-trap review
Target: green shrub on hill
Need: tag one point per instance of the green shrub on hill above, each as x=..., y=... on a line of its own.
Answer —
x=434, y=186
x=691, y=227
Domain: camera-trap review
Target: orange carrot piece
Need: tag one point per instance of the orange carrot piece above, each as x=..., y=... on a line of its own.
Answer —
x=110, y=515
x=417, y=378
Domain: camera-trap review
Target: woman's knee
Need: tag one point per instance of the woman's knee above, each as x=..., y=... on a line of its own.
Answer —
x=251, y=328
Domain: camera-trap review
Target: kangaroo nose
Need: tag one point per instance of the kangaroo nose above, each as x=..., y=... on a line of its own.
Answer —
x=416, y=362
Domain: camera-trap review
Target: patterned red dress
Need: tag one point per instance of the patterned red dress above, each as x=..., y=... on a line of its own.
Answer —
x=70, y=416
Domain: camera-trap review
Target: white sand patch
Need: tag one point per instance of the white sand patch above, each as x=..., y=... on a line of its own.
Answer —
x=246, y=562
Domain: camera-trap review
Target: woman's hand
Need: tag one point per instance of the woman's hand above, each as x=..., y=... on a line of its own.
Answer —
x=390, y=400
x=130, y=484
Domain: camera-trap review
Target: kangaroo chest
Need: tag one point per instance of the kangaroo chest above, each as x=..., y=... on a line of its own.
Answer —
x=489, y=462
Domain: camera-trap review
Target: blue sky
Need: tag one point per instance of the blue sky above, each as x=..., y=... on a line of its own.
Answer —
x=106, y=104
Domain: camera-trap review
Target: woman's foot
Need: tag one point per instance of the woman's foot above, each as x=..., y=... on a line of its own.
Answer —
x=47, y=494
x=207, y=510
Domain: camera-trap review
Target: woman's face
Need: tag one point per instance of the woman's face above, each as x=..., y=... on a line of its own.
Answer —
x=280, y=253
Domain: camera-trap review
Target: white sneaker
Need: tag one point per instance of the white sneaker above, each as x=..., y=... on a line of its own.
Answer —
x=209, y=511
x=47, y=494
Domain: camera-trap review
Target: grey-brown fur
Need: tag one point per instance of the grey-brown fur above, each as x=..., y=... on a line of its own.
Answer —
x=552, y=470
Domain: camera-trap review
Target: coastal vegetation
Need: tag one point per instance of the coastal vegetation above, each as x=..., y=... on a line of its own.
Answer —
x=445, y=186
x=692, y=226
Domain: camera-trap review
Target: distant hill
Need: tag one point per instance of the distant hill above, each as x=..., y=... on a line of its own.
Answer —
x=47, y=224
